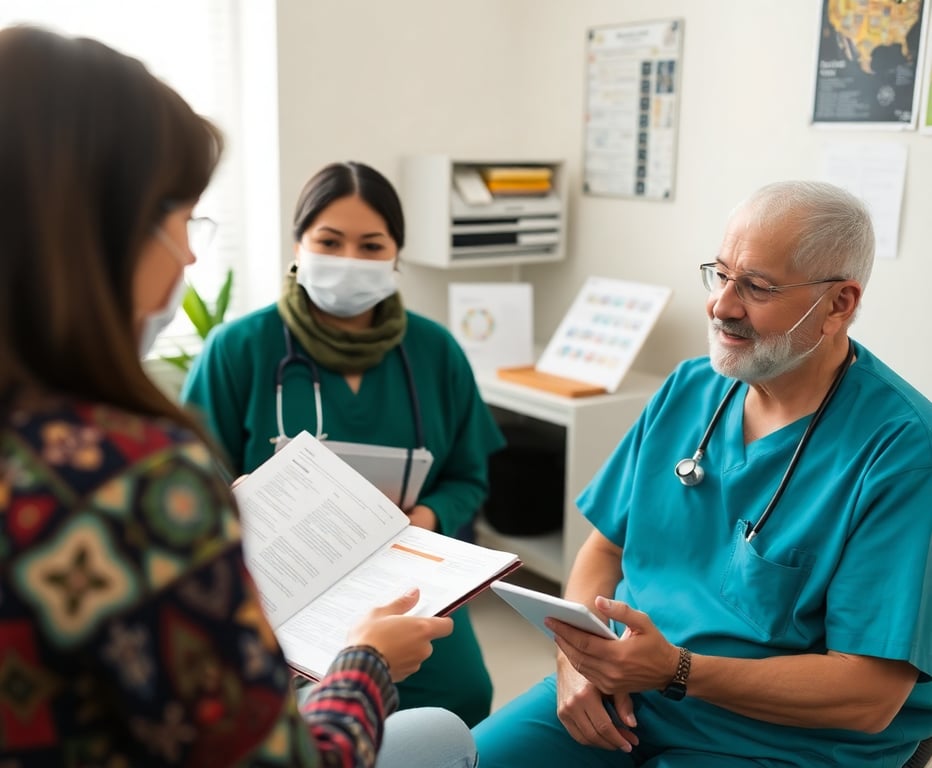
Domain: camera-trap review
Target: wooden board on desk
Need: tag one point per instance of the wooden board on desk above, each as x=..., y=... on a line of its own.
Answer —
x=529, y=376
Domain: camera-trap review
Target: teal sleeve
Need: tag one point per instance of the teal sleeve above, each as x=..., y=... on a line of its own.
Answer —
x=210, y=392
x=463, y=481
x=866, y=591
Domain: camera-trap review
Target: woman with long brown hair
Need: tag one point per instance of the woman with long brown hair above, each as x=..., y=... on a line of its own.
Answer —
x=130, y=632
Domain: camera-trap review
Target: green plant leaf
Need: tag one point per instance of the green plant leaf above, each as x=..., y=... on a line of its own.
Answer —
x=195, y=308
x=182, y=361
x=223, y=298
x=201, y=316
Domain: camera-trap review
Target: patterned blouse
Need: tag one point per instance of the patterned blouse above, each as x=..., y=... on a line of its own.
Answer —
x=130, y=631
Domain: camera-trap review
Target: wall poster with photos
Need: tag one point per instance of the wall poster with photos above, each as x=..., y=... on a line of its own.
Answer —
x=633, y=78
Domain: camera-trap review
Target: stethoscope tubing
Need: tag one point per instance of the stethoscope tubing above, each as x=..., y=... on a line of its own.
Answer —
x=810, y=427
x=690, y=473
x=293, y=357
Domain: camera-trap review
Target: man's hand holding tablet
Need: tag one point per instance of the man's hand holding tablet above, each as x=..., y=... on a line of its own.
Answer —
x=537, y=606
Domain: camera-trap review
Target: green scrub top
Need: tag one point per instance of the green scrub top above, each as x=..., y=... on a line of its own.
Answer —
x=231, y=385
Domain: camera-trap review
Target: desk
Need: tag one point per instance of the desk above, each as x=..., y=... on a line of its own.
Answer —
x=592, y=426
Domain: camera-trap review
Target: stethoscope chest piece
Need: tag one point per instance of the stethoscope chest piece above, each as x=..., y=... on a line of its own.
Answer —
x=689, y=472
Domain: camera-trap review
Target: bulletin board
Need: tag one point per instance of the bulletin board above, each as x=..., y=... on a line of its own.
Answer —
x=633, y=79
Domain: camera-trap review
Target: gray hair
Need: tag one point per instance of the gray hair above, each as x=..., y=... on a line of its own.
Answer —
x=836, y=236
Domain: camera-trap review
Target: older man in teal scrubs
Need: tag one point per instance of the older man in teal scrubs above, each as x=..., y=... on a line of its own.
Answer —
x=774, y=592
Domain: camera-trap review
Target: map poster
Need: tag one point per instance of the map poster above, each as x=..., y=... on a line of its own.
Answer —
x=633, y=79
x=869, y=63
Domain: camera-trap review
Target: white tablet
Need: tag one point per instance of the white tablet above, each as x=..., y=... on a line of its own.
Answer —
x=536, y=606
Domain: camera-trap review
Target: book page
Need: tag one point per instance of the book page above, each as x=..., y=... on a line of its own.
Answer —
x=443, y=568
x=308, y=519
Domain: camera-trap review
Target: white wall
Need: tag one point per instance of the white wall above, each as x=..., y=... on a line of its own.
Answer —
x=372, y=81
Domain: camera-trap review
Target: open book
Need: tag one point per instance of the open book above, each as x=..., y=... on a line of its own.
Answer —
x=325, y=546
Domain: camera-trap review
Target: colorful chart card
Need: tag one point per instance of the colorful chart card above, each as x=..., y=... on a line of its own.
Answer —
x=605, y=328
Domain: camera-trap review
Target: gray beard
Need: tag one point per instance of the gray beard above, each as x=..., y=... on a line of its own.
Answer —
x=771, y=356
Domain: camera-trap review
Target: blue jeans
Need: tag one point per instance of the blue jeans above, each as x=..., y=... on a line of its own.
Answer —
x=426, y=737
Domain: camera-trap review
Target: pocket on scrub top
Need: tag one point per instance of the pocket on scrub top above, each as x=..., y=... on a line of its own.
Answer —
x=764, y=592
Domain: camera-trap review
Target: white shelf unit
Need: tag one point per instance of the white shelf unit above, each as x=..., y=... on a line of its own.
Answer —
x=593, y=427
x=436, y=213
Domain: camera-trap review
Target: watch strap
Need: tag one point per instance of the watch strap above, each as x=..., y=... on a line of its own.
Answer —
x=676, y=688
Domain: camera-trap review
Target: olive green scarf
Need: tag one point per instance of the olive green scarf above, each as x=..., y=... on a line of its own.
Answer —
x=334, y=348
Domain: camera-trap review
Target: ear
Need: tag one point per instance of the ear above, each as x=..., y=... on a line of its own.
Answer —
x=847, y=297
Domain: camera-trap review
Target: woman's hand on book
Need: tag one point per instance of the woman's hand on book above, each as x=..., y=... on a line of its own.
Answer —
x=423, y=517
x=404, y=641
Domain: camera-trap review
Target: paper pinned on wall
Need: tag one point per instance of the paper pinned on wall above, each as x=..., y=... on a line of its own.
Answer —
x=634, y=75
x=604, y=329
x=875, y=172
x=493, y=323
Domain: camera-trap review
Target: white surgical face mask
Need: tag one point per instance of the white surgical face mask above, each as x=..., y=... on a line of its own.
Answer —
x=345, y=287
x=771, y=356
x=156, y=322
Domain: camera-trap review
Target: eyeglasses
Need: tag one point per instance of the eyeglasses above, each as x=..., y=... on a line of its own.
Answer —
x=750, y=289
x=201, y=231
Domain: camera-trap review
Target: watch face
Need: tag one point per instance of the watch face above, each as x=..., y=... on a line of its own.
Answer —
x=674, y=691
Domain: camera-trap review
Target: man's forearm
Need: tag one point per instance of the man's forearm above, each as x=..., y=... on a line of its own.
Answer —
x=596, y=571
x=830, y=690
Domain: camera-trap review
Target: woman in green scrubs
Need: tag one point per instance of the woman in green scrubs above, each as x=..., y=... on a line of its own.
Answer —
x=384, y=376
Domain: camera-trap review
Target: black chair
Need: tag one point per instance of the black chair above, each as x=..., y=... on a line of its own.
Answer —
x=921, y=756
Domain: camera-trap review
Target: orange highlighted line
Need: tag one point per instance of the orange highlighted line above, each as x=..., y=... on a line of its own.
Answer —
x=410, y=551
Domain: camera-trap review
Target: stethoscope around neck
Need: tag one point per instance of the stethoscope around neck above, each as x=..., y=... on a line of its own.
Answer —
x=294, y=356
x=691, y=473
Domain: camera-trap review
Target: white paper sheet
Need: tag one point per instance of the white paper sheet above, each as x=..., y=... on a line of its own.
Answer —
x=875, y=172
x=308, y=519
x=437, y=565
x=493, y=323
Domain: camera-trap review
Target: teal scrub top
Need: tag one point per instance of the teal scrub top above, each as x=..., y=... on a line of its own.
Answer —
x=843, y=562
x=231, y=385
